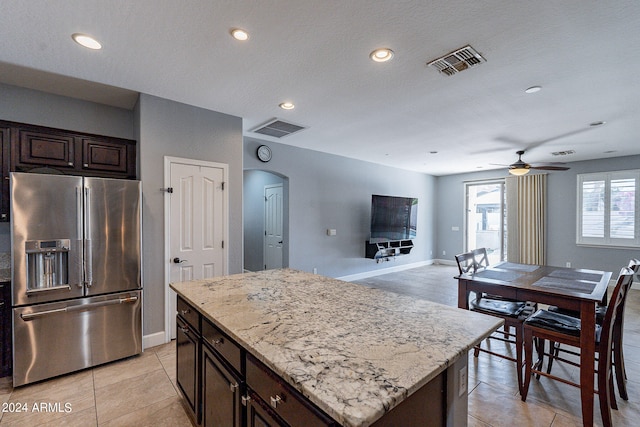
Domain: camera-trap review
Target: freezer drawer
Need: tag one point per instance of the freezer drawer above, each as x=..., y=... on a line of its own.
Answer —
x=58, y=338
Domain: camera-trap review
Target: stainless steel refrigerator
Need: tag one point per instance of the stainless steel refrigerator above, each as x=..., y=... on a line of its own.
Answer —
x=76, y=275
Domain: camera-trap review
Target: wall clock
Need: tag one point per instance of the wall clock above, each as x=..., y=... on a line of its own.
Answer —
x=264, y=153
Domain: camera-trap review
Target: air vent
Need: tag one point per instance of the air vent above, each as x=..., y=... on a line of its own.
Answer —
x=456, y=61
x=278, y=128
x=563, y=153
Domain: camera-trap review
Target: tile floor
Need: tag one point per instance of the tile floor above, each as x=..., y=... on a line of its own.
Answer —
x=141, y=391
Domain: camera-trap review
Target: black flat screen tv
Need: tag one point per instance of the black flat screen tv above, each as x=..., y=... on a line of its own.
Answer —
x=393, y=218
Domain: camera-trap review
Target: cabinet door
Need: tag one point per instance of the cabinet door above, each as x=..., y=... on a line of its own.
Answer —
x=45, y=148
x=221, y=393
x=5, y=329
x=4, y=164
x=259, y=414
x=108, y=155
x=187, y=350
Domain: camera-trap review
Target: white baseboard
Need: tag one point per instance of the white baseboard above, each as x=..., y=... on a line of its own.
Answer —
x=366, y=274
x=153, y=340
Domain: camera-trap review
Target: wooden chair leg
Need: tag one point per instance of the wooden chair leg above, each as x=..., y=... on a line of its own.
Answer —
x=519, y=349
x=618, y=361
x=528, y=361
x=604, y=388
x=554, y=350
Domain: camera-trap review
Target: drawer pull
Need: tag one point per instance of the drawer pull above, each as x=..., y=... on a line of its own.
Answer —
x=233, y=387
x=245, y=400
x=187, y=311
x=219, y=341
x=185, y=330
x=276, y=400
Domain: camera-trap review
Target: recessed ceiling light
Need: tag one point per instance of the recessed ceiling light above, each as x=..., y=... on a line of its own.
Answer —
x=600, y=123
x=533, y=89
x=381, y=55
x=86, y=41
x=239, y=34
x=287, y=106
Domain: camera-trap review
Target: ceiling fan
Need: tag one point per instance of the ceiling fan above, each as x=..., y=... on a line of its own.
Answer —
x=522, y=168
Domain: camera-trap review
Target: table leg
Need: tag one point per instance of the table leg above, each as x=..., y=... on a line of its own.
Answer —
x=463, y=294
x=587, y=359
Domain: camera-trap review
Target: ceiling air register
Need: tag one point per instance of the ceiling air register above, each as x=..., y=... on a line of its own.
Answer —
x=456, y=61
x=277, y=128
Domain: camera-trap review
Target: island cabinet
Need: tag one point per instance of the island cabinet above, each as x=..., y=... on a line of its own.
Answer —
x=188, y=347
x=283, y=401
x=289, y=348
x=223, y=385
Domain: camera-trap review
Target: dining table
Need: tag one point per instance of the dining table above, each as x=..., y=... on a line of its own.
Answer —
x=568, y=288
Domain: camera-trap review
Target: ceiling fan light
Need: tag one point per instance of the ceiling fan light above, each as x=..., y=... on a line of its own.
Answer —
x=519, y=171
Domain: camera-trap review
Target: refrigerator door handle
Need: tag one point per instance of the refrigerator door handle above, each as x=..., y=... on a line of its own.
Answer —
x=87, y=242
x=31, y=316
x=79, y=233
x=51, y=288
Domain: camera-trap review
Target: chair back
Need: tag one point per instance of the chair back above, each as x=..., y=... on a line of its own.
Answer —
x=615, y=308
x=472, y=261
x=466, y=262
x=634, y=264
x=481, y=257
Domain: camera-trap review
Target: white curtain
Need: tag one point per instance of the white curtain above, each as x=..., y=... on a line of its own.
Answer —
x=527, y=218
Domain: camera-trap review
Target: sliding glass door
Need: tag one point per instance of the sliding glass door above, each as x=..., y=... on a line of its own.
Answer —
x=485, y=222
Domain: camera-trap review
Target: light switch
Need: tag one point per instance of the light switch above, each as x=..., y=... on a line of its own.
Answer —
x=331, y=232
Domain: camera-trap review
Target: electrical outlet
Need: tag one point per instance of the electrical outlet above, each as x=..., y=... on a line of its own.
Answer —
x=568, y=264
x=444, y=252
x=462, y=381
x=315, y=270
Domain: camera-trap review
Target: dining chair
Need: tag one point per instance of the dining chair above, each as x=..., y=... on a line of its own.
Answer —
x=618, y=355
x=512, y=312
x=546, y=325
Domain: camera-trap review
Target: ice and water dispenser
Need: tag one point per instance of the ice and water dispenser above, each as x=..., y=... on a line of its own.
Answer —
x=47, y=264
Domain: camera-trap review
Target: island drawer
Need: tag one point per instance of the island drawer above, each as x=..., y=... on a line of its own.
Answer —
x=287, y=402
x=189, y=314
x=222, y=344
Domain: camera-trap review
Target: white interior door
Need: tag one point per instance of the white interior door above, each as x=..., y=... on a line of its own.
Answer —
x=197, y=224
x=273, y=225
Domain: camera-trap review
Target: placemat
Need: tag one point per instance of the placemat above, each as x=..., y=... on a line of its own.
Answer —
x=506, y=276
x=566, y=284
x=576, y=275
x=521, y=267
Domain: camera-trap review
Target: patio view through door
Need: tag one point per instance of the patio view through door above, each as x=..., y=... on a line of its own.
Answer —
x=486, y=218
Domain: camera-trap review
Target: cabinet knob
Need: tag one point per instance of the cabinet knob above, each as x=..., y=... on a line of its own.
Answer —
x=276, y=400
x=233, y=387
x=245, y=400
x=219, y=341
x=70, y=163
x=187, y=311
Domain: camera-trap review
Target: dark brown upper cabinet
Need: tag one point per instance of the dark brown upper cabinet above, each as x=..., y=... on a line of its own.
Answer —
x=32, y=148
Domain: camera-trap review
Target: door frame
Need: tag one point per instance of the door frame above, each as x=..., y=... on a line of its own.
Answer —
x=503, y=208
x=168, y=161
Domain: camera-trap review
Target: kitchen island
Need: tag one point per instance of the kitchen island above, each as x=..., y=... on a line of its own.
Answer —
x=360, y=356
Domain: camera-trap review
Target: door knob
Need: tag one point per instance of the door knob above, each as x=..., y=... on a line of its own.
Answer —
x=178, y=260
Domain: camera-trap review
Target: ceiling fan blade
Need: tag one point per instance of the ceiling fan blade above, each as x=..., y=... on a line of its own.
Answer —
x=550, y=167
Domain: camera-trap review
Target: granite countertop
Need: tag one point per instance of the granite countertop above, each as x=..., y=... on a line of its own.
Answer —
x=5, y=266
x=354, y=351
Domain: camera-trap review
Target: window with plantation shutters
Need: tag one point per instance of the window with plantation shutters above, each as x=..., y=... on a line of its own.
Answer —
x=608, y=209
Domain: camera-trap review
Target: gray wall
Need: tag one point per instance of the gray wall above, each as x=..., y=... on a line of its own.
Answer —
x=167, y=128
x=561, y=213
x=327, y=191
